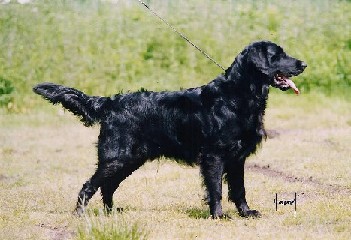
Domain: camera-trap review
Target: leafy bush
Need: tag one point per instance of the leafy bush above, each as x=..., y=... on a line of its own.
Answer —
x=6, y=93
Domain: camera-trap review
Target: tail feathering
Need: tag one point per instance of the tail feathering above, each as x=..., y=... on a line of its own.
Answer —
x=87, y=108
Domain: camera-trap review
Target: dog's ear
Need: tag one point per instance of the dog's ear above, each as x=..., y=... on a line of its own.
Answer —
x=258, y=58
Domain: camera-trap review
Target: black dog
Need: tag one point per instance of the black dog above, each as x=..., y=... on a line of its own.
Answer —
x=217, y=125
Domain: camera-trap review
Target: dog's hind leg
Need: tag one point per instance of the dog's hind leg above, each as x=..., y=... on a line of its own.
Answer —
x=117, y=171
x=120, y=173
x=88, y=190
x=212, y=170
x=107, y=190
x=90, y=187
x=107, y=177
x=236, y=189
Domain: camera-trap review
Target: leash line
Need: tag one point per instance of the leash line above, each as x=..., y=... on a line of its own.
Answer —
x=182, y=35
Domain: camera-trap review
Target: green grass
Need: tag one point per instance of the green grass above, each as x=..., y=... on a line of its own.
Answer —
x=103, y=228
x=104, y=48
x=198, y=213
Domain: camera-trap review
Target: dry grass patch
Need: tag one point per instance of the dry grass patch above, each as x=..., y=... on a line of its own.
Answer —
x=46, y=157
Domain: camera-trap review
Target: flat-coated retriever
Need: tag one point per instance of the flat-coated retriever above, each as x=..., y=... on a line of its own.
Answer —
x=217, y=125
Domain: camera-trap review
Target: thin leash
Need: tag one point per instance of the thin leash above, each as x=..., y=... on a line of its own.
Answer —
x=182, y=35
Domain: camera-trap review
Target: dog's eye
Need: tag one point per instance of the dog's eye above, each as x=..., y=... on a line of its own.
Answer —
x=279, y=56
x=275, y=58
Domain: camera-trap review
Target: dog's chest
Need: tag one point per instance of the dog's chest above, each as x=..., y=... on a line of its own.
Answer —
x=249, y=132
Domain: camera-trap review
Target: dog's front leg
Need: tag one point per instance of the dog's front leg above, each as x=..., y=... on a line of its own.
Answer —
x=236, y=189
x=212, y=171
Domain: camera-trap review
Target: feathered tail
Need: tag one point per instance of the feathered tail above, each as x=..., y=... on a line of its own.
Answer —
x=89, y=109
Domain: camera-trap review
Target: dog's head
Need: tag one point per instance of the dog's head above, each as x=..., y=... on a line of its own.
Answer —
x=270, y=59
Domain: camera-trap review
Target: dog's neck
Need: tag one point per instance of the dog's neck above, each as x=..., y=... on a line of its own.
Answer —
x=250, y=89
x=238, y=80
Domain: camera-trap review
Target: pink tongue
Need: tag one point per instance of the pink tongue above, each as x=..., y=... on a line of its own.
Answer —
x=292, y=85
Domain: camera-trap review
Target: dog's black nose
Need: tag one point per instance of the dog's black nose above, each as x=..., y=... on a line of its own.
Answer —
x=303, y=65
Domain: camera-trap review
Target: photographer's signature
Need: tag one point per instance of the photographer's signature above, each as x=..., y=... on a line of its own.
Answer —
x=284, y=202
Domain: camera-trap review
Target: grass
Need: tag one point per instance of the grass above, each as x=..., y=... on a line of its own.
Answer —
x=104, y=48
x=47, y=155
x=103, y=228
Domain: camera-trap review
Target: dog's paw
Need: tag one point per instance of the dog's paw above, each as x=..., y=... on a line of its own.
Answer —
x=221, y=217
x=78, y=212
x=226, y=217
x=109, y=211
x=250, y=214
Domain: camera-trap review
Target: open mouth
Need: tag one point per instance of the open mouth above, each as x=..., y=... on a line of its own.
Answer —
x=284, y=82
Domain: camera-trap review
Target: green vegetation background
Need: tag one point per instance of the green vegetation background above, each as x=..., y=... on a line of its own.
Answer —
x=104, y=48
